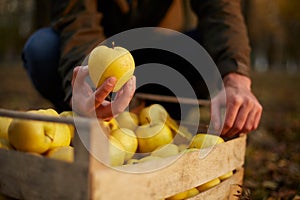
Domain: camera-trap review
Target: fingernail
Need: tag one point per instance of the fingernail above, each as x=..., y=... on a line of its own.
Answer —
x=111, y=81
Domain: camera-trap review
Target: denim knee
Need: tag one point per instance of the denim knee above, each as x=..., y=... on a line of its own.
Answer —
x=41, y=60
x=41, y=49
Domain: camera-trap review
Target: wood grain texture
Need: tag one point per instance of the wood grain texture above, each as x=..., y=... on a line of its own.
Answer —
x=171, y=177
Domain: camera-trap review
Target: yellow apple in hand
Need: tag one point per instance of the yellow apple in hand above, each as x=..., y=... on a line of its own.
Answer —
x=105, y=62
x=152, y=136
x=65, y=153
x=31, y=136
x=4, y=124
x=128, y=139
x=128, y=120
x=203, y=140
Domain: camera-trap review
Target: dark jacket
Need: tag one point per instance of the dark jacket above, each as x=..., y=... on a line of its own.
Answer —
x=83, y=24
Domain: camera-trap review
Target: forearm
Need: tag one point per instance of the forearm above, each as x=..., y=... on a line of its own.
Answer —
x=80, y=31
x=223, y=34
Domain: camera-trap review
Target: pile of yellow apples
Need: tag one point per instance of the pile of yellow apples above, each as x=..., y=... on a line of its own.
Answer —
x=150, y=135
x=49, y=139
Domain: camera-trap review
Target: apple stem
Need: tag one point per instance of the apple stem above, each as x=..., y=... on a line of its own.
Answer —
x=148, y=120
x=113, y=44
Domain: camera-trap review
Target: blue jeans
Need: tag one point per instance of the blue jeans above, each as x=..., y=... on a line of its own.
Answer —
x=41, y=59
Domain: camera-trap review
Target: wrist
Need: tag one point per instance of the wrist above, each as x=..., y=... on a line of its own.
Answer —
x=237, y=80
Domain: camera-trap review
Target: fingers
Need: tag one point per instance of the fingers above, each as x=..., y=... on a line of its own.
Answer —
x=232, y=110
x=103, y=91
x=79, y=74
x=236, y=126
x=242, y=117
x=107, y=110
x=124, y=96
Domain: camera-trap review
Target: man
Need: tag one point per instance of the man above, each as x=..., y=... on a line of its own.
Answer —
x=83, y=24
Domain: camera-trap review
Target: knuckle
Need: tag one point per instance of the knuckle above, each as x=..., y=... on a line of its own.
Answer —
x=237, y=100
x=247, y=129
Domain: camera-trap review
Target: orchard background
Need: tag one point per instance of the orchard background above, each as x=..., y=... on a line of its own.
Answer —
x=273, y=151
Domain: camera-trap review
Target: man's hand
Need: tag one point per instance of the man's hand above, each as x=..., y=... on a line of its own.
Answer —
x=243, y=111
x=88, y=102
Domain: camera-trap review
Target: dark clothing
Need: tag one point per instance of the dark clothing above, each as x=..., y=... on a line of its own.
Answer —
x=83, y=24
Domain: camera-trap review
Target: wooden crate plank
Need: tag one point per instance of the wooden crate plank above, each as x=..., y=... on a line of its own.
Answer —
x=226, y=190
x=186, y=172
x=26, y=176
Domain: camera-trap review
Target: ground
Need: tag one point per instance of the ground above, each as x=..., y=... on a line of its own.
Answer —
x=272, y=166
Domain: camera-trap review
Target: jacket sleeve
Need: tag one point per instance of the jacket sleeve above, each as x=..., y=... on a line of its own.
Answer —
x=223, y=33
x=78, y=24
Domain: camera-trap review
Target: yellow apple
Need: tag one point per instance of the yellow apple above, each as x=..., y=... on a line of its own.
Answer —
x=153, y=114
x=105, y=62
x=117, y=152
x=179, y=196
x=192, y=192
x=152, y=136
x=226, y=176
x=49, y=111
x=149, y=158
x=30, y=135
x=4, y=124
x=190, y=150
x=157, y=113
x=111, y=124
x=209, y=184
x=128, y=120
x=202, y=140
x=65, y=153
x=128, y=139
x=4, y=144
x=71, y=127
x=166, y=151
x=182, y=147
x=62, y=136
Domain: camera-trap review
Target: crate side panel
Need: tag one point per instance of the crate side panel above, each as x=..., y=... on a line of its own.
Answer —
x=227, y=189
x=186, y=172
x=26, y=176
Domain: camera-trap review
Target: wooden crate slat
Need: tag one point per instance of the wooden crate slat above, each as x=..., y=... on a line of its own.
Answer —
x=227, y=189
x=26, y=176
x=186, y=172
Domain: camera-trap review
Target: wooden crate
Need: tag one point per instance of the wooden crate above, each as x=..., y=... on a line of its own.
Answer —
x=27, y=176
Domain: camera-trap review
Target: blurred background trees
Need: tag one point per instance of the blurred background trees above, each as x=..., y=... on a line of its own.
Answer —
x=274, y=29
